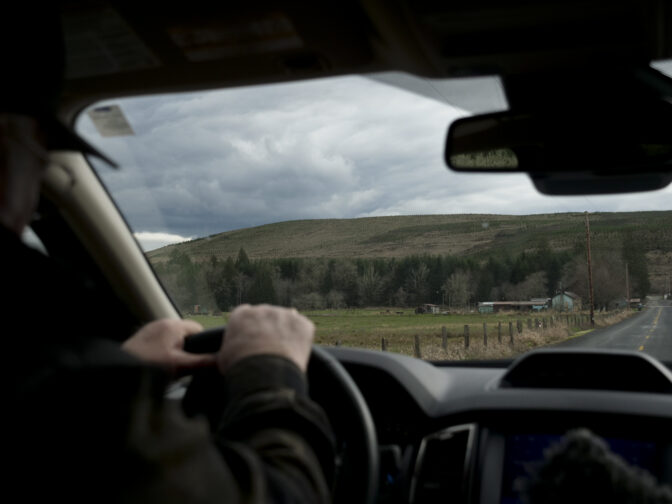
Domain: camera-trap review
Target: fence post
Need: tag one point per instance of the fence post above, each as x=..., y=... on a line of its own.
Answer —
x=511, y=332
x=417, y=347
x=552, y=321
x=519, y=326
x=383, y=344
x=466, y=336
x=485, y=334
x=444, y=338
x=499, y=333
x=544, y=323
x=536, y=324
x=529, y=324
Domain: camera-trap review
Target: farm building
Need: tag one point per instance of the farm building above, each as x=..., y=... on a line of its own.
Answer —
x=566, y=301
x=497, y=306
x=428, y=308
x=540, y=303
x=635, y=302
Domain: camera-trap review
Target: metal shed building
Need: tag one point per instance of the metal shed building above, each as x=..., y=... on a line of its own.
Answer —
x=566, y=301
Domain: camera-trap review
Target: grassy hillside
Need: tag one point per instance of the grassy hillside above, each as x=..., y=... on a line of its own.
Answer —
x=460, y=235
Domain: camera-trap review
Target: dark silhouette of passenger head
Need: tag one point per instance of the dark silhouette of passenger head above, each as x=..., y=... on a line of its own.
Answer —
x=582, y=469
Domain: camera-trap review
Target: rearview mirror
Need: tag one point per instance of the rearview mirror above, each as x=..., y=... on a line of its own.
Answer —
x=608, y=148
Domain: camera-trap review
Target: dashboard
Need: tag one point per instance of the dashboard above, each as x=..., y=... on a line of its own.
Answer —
x=472, y=433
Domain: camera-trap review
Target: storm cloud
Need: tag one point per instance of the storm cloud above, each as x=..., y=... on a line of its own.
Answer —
x=203, y=163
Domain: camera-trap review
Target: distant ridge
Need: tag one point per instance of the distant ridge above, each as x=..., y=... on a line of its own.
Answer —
x=464, y=234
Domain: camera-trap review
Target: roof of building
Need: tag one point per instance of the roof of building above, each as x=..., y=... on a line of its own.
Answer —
x=568, y=293
x=506, y=303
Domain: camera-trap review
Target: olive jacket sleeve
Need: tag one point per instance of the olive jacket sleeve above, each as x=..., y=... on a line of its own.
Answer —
x=86, y=422
x=101, y=429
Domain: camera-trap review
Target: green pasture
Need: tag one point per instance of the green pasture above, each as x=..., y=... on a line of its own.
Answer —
x=346, y=322
x=365, y=328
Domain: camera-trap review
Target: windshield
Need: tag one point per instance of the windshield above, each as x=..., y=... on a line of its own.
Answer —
x=332, y=196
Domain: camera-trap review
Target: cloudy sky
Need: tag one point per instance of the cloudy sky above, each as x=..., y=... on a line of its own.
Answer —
x=202, y=163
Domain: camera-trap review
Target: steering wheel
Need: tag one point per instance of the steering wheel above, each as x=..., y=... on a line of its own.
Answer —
x=335, y=391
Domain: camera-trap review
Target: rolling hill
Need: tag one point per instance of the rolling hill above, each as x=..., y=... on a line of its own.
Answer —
x=460, y=235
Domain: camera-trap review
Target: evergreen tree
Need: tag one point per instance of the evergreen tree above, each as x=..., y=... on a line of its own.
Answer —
x=243, y=262
x=262, y=288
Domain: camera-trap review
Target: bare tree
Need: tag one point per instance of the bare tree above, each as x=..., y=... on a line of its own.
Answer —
x=417, y=283
x=608, y=278
x=370, y=286
x=534, y=286
x=242, y=283
x=335, y=299
x=400, y=297
x=458, y=287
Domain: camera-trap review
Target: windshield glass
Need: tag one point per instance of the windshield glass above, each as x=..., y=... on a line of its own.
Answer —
x=332, y=196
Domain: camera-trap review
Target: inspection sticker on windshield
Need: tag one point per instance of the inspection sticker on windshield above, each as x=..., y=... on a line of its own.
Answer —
x=110, y=121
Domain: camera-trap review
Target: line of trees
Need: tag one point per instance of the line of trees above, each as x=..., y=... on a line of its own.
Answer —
x=220, y=284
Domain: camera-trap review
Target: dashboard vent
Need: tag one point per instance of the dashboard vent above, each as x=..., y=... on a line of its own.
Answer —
x=442, y=467
x=588, y=370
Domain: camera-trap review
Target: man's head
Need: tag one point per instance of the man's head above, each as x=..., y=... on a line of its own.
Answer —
x=23, y=160
x=32, y=56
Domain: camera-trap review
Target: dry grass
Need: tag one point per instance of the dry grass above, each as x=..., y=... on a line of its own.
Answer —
x=366, y=328
x=431, y=341
x=523, y=342
x=612, y=318
x=477, y=350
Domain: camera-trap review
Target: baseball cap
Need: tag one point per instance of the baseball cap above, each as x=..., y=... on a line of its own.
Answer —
x=32, y=58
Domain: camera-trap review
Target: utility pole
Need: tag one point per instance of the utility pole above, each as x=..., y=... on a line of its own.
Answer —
x=627, y=285
x=590, y=273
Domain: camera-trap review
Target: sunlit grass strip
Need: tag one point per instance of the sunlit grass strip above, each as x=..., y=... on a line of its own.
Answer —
x=366, y=328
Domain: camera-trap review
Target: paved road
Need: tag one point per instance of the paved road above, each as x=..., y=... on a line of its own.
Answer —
x=649, y=331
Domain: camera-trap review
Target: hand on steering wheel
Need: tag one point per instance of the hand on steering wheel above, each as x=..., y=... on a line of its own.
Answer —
x=333, y=389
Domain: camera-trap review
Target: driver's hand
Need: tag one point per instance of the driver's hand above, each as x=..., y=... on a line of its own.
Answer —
x=160, y=343
x=266, y=329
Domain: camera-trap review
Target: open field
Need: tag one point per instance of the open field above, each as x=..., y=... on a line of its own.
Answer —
x=366, y=328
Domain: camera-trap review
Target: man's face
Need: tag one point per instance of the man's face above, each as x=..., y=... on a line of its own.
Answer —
x=23, y=160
